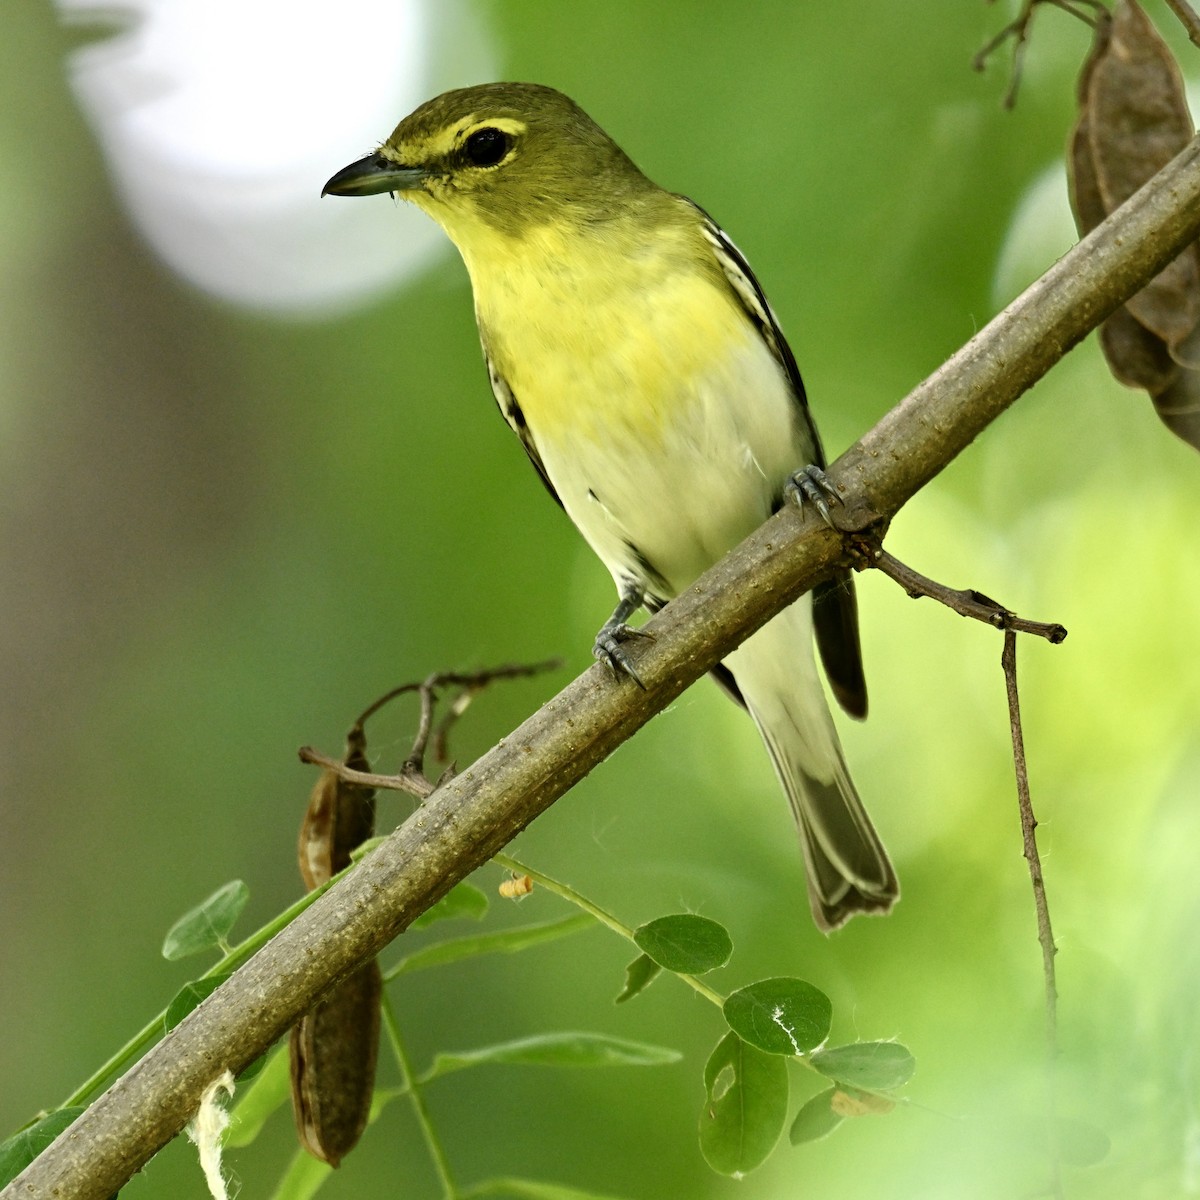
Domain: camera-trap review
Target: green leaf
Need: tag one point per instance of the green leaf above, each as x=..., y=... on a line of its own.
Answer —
x=746, y=1106
x=780, y=1016
x=530, y=1189
x=208, y=924
x=462, y=900
x=269, y=1092
x=557, y=1050
x=879, y=1066
x=303, y=1178
x=503, y=941
x=23, y=1147
x=685, y=944
x=189, y=997
x=815, y=1120
x=639, y=975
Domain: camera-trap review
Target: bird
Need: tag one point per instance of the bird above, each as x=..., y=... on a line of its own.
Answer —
x=633, y=352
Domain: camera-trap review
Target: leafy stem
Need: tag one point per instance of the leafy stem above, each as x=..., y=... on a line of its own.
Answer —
x=409, y=1081
x=602, y=915
x=233, y=958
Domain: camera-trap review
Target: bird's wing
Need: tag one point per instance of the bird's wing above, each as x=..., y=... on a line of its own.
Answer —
x=753, y=300
x=511, y=411
x=835, y=608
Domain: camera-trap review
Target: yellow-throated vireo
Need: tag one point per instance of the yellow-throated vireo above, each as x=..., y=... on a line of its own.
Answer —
x=632, y=351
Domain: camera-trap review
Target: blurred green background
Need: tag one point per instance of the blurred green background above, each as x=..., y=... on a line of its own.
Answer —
x=224, y=533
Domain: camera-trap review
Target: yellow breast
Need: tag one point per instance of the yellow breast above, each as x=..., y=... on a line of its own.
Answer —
x=598, y=336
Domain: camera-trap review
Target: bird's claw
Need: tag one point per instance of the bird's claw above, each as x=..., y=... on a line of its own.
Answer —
x=609, y=650
x=810, y=485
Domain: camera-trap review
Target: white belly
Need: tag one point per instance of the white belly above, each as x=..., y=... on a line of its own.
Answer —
x=677, y=496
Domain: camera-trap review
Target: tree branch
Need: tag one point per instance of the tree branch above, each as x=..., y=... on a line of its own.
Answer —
x=472, y=816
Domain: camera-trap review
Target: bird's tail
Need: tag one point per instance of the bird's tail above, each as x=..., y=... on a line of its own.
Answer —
x=848, y=869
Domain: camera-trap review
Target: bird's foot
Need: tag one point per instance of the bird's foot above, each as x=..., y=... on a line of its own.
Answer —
x=608, y=648
x=810, y=485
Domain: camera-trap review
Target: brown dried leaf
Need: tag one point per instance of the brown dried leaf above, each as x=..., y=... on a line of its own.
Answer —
x=1139, y=358
x=1139, y=114
x=1178, y=407
x=1086, y=201
x=1136, y=356
x=1138, y=120
x=333, y=1051
x=1186, y=352
x=1133, y=119
x=1169, y=305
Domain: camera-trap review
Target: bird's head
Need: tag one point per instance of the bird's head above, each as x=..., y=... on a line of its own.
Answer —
x=509, y=155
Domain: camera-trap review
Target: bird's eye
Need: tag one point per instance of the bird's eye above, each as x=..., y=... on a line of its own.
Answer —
x=487, y=146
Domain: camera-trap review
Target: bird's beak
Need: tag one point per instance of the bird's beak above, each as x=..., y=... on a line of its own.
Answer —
x=372, y=175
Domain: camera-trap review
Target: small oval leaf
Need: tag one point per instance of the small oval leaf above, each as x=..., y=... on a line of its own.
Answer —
x=685, y=943
x=639, y=975
x=880, y=1066
x=815, y=1120
x=208, y=924
x=745, y=1106
x=780, y=1016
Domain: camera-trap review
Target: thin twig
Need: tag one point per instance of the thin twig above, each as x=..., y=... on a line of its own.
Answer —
x=1187, y=16
x=411, y=777
x=415, y=785
x=966, y=603
x=1008, y=660
x=982, y=608
x=415, y=762
x=1017, y=31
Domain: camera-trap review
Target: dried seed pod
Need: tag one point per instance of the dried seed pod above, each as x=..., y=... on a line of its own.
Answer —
x=1133, y=119
x=340, y=816
x=333, y=1051
x=334, y=1047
